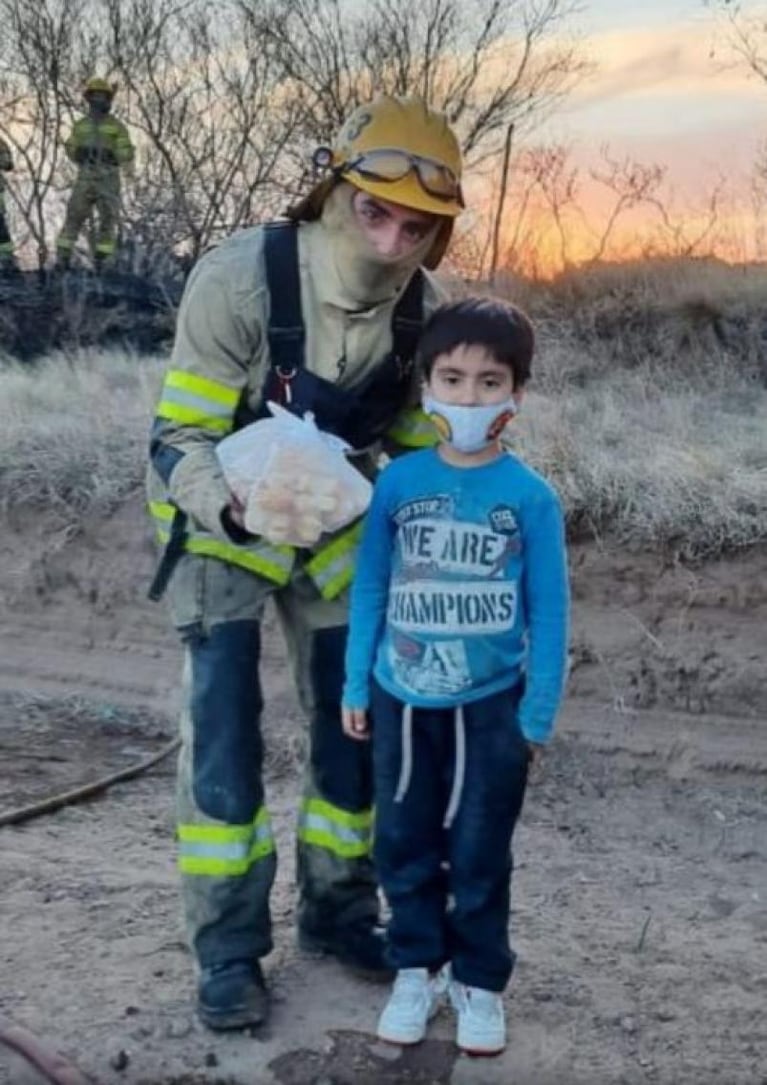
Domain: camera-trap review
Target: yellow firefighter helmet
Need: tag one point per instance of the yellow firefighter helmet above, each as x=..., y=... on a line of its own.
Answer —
x=97, y=85
x=396, y=149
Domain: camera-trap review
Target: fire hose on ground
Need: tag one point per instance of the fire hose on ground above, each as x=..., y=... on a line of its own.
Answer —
x=86, y=791
x=53, y=1066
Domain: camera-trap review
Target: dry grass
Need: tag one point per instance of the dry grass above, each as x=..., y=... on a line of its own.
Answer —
x=74, y=433
x=684, y=469
x=652, y=427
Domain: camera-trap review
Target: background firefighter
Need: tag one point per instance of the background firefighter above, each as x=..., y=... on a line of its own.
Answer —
x=6, y=245
x=99, y=144
x=323, y=311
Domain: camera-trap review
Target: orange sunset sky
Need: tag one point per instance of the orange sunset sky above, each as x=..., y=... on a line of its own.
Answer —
x=667, y=90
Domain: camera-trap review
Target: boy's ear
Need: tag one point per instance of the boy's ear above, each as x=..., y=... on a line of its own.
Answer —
x=518, y=394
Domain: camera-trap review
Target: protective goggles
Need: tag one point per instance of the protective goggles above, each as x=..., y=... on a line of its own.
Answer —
x=390, y=164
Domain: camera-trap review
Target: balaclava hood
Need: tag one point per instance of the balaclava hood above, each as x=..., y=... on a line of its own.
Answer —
x=364, y=277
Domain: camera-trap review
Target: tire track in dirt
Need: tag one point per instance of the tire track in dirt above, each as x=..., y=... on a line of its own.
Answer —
x=61, y=657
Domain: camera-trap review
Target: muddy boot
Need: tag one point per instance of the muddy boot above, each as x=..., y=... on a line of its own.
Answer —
x=360, y=946
x=232, y=996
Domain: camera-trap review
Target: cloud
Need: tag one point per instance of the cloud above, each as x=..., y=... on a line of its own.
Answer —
x=676, y=60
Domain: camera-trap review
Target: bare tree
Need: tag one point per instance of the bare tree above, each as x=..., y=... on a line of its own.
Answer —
x=745, y=34
x=690, y=231
x=632, y=183
x=40, y=44
x=487, y=65
x=548, y=170
x=205, y=100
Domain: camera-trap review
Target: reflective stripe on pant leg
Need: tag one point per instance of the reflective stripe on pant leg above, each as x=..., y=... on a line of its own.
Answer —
x=227, y=855
x=220, y=850
x=346, y=835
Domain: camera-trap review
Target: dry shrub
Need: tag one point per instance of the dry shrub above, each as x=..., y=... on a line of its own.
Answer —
x=74, y=432
x=654, y=466
x=653, y=443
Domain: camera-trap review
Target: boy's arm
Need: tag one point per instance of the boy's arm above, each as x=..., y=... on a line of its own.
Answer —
x=546, y=595
x=369, y=597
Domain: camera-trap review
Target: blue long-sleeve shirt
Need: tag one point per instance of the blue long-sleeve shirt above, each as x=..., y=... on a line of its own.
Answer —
x=461, y=589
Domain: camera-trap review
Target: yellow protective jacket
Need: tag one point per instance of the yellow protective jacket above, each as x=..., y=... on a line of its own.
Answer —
x=101, y=142
x=221, y=359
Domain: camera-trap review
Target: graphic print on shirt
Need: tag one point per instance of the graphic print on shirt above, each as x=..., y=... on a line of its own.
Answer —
x=452, y=581
x=440, y=667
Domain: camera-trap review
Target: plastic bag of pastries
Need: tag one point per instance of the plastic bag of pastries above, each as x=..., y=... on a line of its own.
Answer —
x=293, y=479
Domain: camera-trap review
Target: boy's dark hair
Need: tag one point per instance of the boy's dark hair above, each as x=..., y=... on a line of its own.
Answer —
x=502, y=329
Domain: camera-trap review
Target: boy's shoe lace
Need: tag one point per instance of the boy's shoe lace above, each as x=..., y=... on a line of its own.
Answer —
x=413, y=1002
x=481, y=1019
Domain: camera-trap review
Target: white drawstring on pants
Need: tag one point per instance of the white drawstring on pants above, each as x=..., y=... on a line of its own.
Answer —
x=406, y=770
x=459, y=771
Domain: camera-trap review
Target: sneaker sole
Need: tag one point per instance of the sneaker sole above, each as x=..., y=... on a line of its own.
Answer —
x=478, y=1052
x=398, y=1041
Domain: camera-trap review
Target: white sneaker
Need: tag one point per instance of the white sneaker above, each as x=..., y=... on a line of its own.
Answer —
x=412, y=1003
x=481, y=1019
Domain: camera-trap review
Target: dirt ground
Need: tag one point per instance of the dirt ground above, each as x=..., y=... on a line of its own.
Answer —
x=640, y=891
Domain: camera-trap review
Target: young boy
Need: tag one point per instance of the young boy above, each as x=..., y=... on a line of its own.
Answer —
x=456, y=656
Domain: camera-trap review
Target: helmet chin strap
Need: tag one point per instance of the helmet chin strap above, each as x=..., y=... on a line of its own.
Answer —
x=365, y=277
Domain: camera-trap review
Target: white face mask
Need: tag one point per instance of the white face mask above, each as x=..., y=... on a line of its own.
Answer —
x=469, y=429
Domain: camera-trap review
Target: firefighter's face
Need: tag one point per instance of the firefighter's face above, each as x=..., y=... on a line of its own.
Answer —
x=99, y=101
x=393, y=231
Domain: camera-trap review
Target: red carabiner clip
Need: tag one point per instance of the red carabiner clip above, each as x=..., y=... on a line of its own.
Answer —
x=285, y=379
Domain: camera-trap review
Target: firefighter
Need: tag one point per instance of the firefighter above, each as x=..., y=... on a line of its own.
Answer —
x=319, y=312
x=7, y=262
x=99, y=145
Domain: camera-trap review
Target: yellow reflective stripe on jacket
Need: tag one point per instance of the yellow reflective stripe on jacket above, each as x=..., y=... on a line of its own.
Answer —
x=225, y=850
x=326, y=826
x=412, y=428
x=332, y=567
x=198, y=401
x=273, y=562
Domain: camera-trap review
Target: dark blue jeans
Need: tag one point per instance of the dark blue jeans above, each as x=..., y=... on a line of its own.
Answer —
x=448, y=889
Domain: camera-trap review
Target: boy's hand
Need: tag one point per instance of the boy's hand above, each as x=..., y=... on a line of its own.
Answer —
x=535, y=764
x=536, y=752
x=355, y=723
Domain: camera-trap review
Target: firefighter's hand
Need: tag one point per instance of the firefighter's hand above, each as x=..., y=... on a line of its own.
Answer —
x=355, y=723
x=236, y=511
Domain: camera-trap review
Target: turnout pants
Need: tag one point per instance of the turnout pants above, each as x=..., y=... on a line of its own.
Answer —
x=99, y=189
x=227, y=853
x=448, y=888
x=6, y=245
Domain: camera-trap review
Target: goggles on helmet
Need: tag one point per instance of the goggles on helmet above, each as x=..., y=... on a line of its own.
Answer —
x=392, y=164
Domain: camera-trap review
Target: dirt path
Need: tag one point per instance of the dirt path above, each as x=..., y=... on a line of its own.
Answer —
x=640, y=895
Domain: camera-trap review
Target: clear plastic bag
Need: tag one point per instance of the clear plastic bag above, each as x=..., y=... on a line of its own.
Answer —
x=293, y=480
